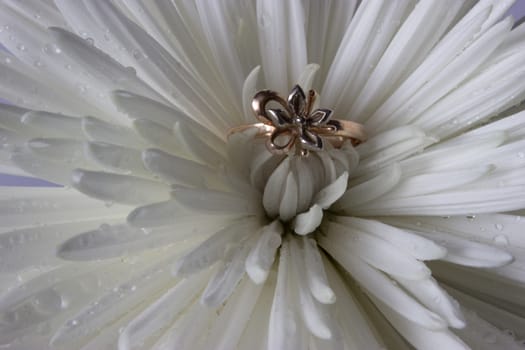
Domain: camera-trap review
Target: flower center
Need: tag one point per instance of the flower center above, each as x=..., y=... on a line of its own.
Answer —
x=297, y=158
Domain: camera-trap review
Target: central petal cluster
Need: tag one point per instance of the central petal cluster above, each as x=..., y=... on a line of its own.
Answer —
x=295, y=189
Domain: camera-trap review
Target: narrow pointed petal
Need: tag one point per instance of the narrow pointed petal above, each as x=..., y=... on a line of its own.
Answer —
x=119, y=188
x=307, y=222
x=315, y=273
x=159, y=313
x=380, y=286
x=262, y=256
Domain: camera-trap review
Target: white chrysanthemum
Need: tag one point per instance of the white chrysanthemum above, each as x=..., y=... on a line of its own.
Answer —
x=169, y=235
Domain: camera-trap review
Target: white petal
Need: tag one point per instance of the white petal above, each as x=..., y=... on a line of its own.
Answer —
x=230, y=324
x=56, y=172
x=491, y=337
x=228, y=275
x=316, y=274
x=54, y=125
x=175, y=169
x=36, y=246
x=436, y=299
x=421, y=337
x=196, y=147
x=289, y=199
x=446, y=50
x=109, y=241
x=497, y=316
x=214, y=248
x=470, y=253
x=370, y=189
x=119, y=188
x=157, y=135
x=262, y=256
x=216, y=202
x=380, y=286
x=116, y=302
x=160, y=312
x=437, y=182
x=60, y=150
x=117, y=158
x=22, y=207
x=419, y=247
x=249, y=90
x=306, y=223
x=285, y=330
x=274, y=187
x=413, y=40
x=375, y=251
x=99, y=130
x=328, y=195
x=314, y=315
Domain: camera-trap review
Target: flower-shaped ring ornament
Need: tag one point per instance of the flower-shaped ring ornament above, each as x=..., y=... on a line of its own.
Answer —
x=297, y=125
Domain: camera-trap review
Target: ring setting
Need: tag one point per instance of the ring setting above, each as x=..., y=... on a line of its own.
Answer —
x=297, y=125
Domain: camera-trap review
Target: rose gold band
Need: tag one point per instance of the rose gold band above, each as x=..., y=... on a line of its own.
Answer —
x=297, y=125
x=349, y=130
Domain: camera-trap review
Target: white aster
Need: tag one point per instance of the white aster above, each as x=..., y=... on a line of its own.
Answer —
x=168, y=234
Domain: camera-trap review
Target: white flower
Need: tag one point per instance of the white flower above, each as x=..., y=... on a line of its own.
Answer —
x=170, y=235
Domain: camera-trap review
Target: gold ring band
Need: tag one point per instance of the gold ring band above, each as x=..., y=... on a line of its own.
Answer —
x=298, y=125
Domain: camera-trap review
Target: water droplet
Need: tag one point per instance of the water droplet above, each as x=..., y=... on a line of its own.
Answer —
x=521, y=155
x=137, y=55
x=82, y=88
x=52, y=49
x=501, y=240
x=90, y=41
x=39, y=64
x=498, y=227
x=509, y=332
x=21, y=47
x=68, y=66
x=7, y=60
x=471, y=217
x=72, y=323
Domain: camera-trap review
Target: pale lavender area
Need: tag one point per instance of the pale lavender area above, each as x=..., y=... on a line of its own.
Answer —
x=517, y=11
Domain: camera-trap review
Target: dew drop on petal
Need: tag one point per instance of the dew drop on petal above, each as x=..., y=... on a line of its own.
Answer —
x=501, y=240
x=52, y=49
x=38, y=64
